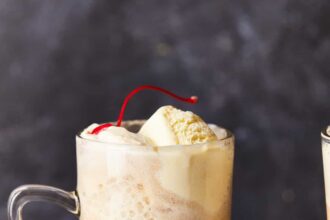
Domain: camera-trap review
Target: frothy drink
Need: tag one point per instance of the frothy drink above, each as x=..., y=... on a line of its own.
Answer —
x=326, y=166
x=192, y=182
x=173, y=166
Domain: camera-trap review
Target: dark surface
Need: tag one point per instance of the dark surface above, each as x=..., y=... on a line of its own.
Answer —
x=261, y=69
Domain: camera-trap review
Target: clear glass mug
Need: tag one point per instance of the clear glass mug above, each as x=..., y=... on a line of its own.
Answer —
x=325, y=135
x=118, y=181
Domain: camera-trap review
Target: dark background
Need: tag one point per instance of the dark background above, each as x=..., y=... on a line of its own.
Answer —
x=260, y=67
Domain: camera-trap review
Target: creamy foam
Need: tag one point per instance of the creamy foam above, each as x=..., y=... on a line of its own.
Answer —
x=143, y=184
x=114, y=135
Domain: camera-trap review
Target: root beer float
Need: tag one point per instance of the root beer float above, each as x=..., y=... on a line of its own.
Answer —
x=173, y=166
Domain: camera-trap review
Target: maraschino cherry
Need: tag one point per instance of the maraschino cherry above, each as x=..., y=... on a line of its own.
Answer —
x=192, y=100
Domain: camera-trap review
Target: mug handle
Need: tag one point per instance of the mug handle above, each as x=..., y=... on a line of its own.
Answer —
x=39, y=193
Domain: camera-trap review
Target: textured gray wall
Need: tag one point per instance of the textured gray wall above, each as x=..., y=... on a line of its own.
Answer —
x=260, y=67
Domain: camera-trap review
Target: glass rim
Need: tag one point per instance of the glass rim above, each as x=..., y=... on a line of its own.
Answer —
x=324, y=133
x=229, y=136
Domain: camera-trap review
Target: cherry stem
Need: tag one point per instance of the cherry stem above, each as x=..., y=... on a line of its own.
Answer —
x=192, y=100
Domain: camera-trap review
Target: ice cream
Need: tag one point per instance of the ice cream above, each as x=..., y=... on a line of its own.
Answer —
x=171, y=126
x=167, y=126
x=115, y=135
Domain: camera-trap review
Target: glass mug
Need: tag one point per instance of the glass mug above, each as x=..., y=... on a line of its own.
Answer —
x=117, y=181
x=325, y=135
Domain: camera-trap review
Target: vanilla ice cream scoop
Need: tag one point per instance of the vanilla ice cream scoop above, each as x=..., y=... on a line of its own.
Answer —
x=171, y=126
x=115, y=135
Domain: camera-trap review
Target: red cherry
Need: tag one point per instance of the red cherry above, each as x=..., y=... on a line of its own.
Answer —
x=101, y=127
x=192, y=100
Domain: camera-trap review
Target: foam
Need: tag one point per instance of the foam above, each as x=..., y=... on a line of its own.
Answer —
x=123, y=199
